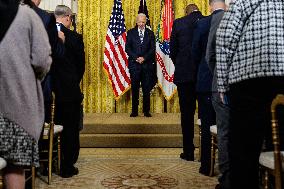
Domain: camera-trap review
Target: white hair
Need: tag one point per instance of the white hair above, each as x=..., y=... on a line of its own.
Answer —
x=62, y=10
x=141, y=15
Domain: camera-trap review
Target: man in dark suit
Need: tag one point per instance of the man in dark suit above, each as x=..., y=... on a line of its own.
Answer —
x=203, y=89
x=67, y=74
x=185, y=75
x=140, y=47
x=56, y=40
x=221, y=109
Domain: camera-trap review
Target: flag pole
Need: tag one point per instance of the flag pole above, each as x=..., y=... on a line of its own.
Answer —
x=115, y=106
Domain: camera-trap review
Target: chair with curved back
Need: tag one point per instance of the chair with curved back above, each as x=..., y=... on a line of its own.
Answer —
x=214, y=147
x=2, y=166
x=198, y=123
x=273, y=162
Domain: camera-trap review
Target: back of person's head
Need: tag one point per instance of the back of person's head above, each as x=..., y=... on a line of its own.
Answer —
x=190, y=8
x=214, y=1
x=217, y=4
x=62, y=11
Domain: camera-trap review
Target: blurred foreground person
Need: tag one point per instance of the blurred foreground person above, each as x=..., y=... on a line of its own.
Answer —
x=250, y=67
x=24, y=59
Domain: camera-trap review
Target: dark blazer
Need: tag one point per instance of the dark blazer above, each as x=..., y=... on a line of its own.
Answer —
x=180, y=47
x=211, y=46
x=49, y=22
x=69, y=69
x=199, y=44
x=147, y=50
x=57, y=47
x=135, y=49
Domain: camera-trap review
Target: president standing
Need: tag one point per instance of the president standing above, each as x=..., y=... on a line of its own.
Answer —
x=140, y=47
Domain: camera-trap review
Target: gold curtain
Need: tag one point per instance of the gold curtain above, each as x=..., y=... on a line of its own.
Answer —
x=92, y=21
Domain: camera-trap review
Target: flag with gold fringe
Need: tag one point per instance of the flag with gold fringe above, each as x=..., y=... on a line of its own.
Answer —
x=165, y=66
x=115, y=58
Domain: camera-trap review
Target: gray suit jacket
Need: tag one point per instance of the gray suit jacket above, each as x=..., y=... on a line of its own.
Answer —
x=211, y=47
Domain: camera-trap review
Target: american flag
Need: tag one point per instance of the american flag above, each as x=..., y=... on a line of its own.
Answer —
x=115, y=58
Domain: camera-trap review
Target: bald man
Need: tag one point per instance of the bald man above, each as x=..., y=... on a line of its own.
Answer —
x=185, y=75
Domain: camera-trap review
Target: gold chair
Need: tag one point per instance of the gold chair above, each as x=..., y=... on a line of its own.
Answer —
x=273, y=162
x=51, y=133
x=213, y=131
x=3, y=164
x=198, y=123
x=30, y=174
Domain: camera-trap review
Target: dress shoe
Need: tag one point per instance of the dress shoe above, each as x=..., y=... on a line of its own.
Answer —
x=187, y=157
x=203, y=171
x=147, y=114
x=133, y=114
x=68, y=174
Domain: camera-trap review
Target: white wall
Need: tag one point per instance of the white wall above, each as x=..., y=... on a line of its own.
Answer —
x=51, y=4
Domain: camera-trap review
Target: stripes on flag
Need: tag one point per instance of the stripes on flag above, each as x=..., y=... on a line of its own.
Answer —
x=115, y=58
x=165, y=66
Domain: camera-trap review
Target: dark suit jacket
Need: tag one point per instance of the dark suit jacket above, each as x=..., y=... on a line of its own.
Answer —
x=49, y=22
x=147, y=50
x=135, y=49
x=180, y=47
x=211, y=46
x=199, y=44
x=69, y=69
x=57, y=47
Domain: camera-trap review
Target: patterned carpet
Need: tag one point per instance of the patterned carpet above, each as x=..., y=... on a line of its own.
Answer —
x=137, y=168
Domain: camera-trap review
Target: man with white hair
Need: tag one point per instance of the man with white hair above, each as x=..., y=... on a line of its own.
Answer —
x=140, y=47
x=67, y=72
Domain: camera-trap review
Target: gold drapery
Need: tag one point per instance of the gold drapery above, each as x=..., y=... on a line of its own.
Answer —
x=92, y=21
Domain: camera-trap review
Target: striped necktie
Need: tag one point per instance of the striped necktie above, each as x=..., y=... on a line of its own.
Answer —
x=141, y=36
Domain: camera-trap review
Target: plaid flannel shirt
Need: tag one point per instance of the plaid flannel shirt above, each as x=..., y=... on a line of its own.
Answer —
x=250, y=42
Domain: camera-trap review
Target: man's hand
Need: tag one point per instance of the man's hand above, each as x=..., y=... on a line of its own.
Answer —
x=222, y=98
x=140, y=60
x=61, y=36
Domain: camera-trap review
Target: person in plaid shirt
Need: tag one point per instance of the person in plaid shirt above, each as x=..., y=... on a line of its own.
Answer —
x=250, y=69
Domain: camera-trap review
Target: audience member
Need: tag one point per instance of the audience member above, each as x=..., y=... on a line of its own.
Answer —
x=221, y=109
x=250, y=67
x=24, y=59
x=66, y=76
x=185, y=75
x=203, y=89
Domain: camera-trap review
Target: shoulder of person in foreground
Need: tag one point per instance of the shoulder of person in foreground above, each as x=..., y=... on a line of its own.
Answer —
x=40, y=47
